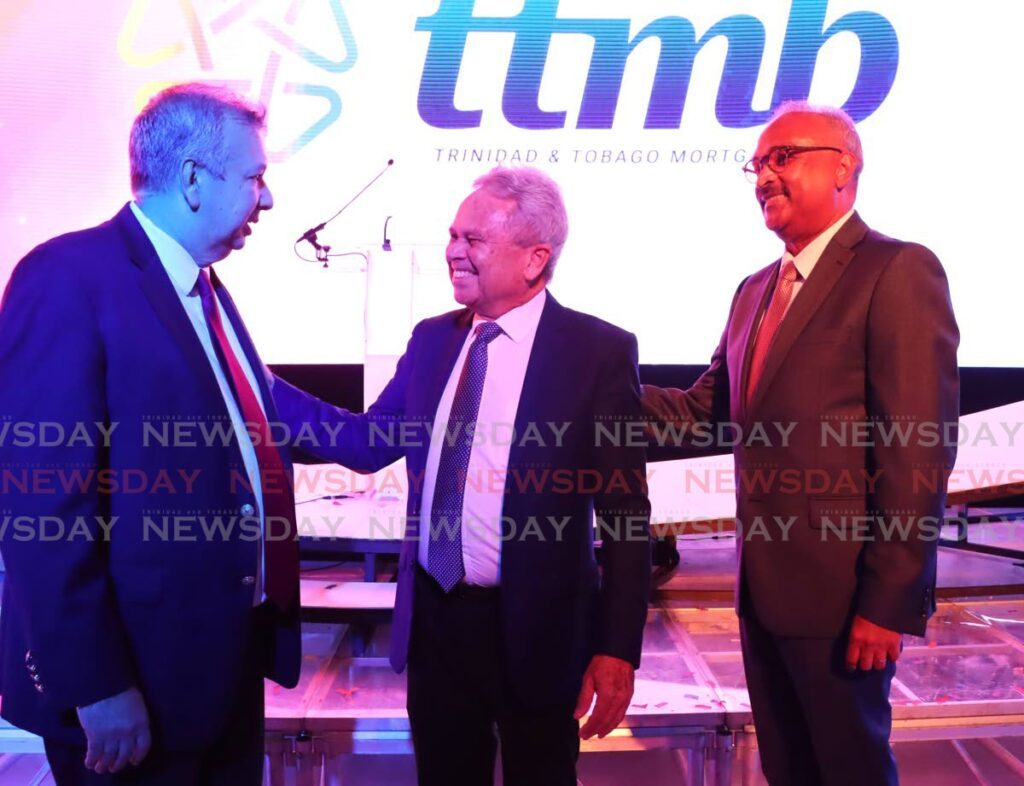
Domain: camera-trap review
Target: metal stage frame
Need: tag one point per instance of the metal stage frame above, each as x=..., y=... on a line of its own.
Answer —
x=964, y=680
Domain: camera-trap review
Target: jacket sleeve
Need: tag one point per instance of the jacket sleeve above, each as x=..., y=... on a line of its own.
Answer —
x=912, y=376
x=623, y=512
x=56, y=551
x=672, y=413
x=364, y=442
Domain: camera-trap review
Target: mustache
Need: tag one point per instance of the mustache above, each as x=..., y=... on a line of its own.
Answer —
x=764, y=193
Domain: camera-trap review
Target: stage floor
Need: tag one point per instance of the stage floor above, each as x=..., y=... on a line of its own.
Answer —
x=958, y=695
x=707, y=566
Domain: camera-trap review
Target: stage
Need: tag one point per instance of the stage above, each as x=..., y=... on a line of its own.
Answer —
x=958, y=695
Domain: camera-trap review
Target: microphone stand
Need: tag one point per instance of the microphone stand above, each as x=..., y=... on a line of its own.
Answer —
x=322, y=251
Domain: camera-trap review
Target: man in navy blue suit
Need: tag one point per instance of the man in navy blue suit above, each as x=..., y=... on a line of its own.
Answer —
x=152, y=575
x=507, y=413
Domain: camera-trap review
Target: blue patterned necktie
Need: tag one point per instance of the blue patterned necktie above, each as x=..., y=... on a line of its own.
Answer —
x=444, y=553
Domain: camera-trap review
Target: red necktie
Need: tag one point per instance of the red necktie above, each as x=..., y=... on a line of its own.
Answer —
x=781, y=298
x=280, y=549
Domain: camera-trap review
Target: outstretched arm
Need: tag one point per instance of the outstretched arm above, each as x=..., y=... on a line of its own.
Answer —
x=365, y=441
x=672, y=413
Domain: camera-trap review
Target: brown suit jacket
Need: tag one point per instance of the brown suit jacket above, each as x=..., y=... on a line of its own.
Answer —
x=840, y=515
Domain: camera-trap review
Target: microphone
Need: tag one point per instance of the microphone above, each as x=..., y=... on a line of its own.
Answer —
x=310, y=234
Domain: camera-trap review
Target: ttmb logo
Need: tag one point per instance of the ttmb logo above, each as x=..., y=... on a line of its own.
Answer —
x=534, y=27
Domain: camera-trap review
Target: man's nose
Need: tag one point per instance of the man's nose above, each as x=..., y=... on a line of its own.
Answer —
x=266, y=198
x=766, y=175
x=456, y=249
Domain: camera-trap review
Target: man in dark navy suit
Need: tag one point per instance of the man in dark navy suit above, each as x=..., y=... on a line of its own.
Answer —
x=502, y=614
x=133, y=641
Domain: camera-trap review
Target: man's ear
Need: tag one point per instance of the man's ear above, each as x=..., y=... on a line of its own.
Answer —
x=189, y=176
x=845, y=171
x=540, y=254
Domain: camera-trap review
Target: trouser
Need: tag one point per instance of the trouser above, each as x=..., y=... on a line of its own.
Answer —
x=461, y=704
x=817, y=724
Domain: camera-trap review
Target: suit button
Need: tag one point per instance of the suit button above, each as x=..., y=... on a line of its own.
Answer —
x=249, y=581
x=247, y=509
x=38, y=687
x=32, y=669
x=28, y=656
x=35, y=678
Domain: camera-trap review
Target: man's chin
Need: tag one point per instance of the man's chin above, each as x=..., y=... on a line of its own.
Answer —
x=773, y=219
x=463, y=296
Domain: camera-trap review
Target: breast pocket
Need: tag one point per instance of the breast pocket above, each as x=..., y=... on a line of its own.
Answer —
x=824, y=336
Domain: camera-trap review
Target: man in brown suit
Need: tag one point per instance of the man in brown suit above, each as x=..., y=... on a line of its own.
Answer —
x=848, y=344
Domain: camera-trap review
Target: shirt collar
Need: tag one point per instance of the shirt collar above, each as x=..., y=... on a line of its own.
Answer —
x=521, y=322
x=179, y=264
x=811, y=253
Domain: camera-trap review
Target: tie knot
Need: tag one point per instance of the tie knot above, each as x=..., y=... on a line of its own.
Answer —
x=789, y=272
x=486, y=332
x=205, y=288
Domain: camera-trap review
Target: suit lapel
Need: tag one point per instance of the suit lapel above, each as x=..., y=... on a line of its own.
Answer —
x=543, y=367
x=813, y=293
x=259, y=371
x=441, y=361
x=760, y=296
x=159, y=291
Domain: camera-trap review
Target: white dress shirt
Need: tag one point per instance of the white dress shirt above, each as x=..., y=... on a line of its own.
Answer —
x=507, y=358
x=183, y=271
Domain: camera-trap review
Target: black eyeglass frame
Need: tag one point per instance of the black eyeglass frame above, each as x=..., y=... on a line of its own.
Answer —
x=753, y=168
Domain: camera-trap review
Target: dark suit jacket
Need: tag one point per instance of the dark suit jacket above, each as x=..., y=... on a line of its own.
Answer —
x=870, y=338
x=92, y=331
x=555, y=610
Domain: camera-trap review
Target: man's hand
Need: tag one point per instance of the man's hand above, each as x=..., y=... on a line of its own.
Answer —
x=117, y=730
x=871, y=645
x=612, y=680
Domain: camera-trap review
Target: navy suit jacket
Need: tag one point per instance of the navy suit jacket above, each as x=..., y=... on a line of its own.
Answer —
x=868, y=343
x=92, y=332
x=557, y=611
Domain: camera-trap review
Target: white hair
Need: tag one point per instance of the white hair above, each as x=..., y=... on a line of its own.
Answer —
x=837, y=119
x=540, y=212
x=185, y=122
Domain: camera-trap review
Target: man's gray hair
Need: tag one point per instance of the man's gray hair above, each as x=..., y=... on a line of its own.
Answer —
x=185, y=122
x=840, y=122
x=540, y=215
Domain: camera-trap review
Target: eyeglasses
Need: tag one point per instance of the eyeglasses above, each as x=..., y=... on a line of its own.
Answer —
x=777, y=159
